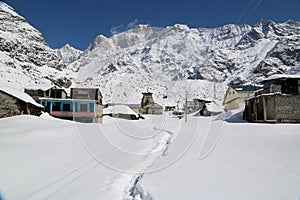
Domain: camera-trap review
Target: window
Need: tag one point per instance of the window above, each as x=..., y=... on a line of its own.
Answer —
x=290, y=86
x=66, y=107
x=56, y=106
x=83, y=108
x=91, y=107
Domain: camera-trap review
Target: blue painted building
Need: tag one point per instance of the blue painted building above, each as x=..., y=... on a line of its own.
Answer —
x=80, y=110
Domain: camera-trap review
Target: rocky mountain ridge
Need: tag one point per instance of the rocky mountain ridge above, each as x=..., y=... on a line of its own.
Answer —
x=232, y=54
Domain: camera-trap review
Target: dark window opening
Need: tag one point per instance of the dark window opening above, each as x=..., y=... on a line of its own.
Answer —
x=56, y=94
x=66, y=107
x=47, y=109
x=290, y=86
x=41, y=93
x=56, y=106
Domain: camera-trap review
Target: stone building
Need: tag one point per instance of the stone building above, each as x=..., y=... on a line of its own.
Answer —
x=16, y=102
x=278, y=101
x=148, y=106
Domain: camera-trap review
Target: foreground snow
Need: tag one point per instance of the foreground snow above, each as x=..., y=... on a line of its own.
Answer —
x=47, y=158
x=157, y=158
x=232, y=160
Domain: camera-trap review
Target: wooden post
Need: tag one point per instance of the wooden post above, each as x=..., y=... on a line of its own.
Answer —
x=264, y=108
x=255, y=109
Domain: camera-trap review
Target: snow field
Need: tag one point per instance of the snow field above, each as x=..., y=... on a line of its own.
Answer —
x=46, y=158
x=161, y=157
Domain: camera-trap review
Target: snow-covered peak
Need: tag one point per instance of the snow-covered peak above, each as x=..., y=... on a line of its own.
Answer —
x=142, y=28
x=270, y=29
x=68, y=53
x=102, y=42
x=69, y=48
x=181, y=27
x=6, y=8
x=133, y=36
x=293, y=23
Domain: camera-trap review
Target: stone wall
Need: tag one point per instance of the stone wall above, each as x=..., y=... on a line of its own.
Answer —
x=9, y=106
x=278, y=108
x=287, y=107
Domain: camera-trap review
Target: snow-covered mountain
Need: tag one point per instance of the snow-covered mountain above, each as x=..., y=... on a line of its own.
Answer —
x=269, y=48
x=158, y=60
x=25, y=56
x=68, y=54
x=232, y=54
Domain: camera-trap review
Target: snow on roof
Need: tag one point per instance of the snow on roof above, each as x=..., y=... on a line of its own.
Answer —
x=245, y=88
x=119, y=109
x=204, y=99
x=38, y=87
x=18, y=93
x=165, y=102
x=215, y=107
x=238, y=89
x=281, y=76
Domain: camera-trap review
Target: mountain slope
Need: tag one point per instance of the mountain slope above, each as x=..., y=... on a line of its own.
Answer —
x=25, y=56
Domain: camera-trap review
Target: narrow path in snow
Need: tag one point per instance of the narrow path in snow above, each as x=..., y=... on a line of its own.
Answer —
x=136, y=192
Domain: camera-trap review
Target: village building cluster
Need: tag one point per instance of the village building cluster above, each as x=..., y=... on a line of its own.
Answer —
x=276, y=100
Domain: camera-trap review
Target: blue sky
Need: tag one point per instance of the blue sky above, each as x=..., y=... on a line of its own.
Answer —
x=79, y=22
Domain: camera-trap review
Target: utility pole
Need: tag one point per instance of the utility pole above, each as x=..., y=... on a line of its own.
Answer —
x=186, y=102
x=214, y=76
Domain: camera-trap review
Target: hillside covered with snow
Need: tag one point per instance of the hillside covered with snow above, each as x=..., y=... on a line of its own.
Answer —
x=25, y=57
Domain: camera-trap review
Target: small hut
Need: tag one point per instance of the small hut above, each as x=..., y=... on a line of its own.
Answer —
x=16, y=102
x=278, y=101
